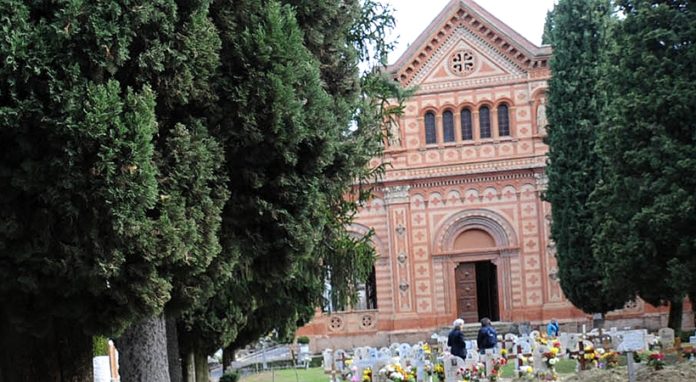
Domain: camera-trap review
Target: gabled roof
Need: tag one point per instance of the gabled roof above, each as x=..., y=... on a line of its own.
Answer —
x=471, y=16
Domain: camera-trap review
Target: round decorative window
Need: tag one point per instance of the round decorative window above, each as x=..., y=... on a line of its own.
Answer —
x=462, y=62
x=367, y=321
x=335, y=323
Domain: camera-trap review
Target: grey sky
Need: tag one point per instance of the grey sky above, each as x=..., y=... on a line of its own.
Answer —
x=413, y=16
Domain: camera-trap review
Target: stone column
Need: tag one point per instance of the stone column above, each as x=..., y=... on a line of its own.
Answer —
x=396, y=199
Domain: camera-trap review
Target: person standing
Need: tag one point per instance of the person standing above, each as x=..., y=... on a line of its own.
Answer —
x=455, y=339
x=487, y=337
x=552, y=329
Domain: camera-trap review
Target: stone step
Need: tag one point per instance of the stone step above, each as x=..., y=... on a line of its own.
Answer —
x=471, y=330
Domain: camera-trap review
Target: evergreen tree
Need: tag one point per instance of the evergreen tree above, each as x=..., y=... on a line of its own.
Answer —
x=648, y=196
x=549, y=25
x=287, y=217
x=111, y=197
x=574, y=110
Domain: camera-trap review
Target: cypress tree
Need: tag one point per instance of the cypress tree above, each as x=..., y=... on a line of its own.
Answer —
x=111, y=190
x=574, y=111
x=648, y=142
x=287, y=217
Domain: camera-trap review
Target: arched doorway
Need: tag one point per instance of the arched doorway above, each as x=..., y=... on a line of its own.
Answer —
x=475, y=248
x=476, y=281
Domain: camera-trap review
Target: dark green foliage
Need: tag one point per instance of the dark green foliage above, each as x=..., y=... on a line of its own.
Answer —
x=100, y=346
x=574, y=112
x=549, y=25
x=112, y=186
x=303, y=340
x=648, y=142
x=229, y=377
x=289, y=92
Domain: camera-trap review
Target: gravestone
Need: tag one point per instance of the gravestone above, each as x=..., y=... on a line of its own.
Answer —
x=404, y=350
x=359, y=353
x=666, y=338
x=692, y=340
x=526, y=344
x=452, y=366
x=472, y=358
x=632, y=340
x=538, y=355
x=327, y=354
x=572, y=344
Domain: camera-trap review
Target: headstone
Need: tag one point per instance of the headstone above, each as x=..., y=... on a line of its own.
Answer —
x=573, y=340
x=488, y=358
x=632, y=340
x=393, y=348
x=358, y=354
x=472, y=357
x=666, y=338
x=535, y=334
x=692, y=340
x=384, y=353
x=452, y=366
x=372, y=353
x=404, y=350
x=539, y=361
x=526, y=344
x=328, y=359
x=563, y=339
x=102, y=369
x=471, y=345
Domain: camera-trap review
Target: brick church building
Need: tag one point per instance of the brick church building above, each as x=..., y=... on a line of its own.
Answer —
x=461, y=229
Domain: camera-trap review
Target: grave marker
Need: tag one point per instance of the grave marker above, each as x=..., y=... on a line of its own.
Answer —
x=666, y=338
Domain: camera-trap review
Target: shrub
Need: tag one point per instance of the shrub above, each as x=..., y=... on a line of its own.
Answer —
x=230, y=376
x=303, y=340
x=100, y=346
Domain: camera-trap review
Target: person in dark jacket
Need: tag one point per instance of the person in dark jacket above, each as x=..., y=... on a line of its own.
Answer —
x=487, y=337
x=456, y=340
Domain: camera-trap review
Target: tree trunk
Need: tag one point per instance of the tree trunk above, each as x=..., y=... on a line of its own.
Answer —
x=227, y=357
x=173, y=352
x=189, y=367
x=143, y=352
x=202, y=372
x=63, y=354
x=675, y=316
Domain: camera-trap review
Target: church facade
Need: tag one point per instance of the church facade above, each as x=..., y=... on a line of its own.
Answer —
x=461, y=229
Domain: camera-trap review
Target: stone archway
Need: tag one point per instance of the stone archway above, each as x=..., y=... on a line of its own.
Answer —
x=478, y=275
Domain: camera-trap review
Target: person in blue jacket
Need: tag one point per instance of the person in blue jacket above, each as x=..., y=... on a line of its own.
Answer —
x=455, y=339
x=552, y=329
x=487, y=337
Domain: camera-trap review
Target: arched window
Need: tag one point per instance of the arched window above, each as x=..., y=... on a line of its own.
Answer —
x=430, y=135
x=467, y=127
x=503, y=120
x=485, y=121
x=448, y=126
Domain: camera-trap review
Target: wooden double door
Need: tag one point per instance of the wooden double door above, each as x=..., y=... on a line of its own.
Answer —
x=477, y=291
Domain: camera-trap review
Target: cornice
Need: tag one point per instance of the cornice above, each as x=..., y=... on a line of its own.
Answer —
x=467, y=15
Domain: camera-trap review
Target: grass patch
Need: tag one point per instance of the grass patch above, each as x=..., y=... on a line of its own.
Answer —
x=564, y=366
x=288, y=375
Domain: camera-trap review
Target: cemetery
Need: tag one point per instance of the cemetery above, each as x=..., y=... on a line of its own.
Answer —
x=596, y=355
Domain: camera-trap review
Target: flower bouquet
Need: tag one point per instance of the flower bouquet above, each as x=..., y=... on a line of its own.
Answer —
x=498, y=364
x=473, y=373
x=656, y=360
x=609, y=360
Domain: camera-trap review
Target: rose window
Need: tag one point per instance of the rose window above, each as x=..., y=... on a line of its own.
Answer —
x=462, y=62
x=367, y=321
x=335, y=323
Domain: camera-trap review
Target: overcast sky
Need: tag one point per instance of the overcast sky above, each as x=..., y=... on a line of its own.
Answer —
x=413, y=16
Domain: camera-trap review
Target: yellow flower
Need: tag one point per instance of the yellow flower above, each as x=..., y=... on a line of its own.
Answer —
x=555, y=351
